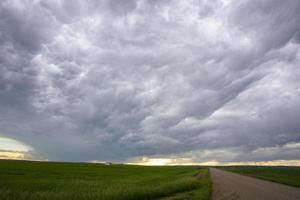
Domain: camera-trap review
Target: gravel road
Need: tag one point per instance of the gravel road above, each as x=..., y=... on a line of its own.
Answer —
x=231, y=186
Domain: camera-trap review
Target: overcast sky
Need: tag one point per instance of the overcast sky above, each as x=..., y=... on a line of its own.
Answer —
x=191, y=80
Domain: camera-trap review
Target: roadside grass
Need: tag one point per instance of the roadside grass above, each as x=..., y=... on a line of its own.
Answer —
x=285, y=175
x=204, y=193
x=26, y=180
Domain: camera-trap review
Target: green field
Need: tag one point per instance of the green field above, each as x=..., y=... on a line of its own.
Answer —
x=285, y=175
x=20, y=180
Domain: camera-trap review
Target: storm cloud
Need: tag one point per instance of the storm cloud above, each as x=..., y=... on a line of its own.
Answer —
x=118, y=80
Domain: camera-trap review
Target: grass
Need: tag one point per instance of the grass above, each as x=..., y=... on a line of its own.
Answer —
x=203, y=194
x=285, y=175
x=20, y=180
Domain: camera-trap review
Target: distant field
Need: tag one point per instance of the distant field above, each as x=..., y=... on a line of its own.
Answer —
x=285, y=175
x=20, y=180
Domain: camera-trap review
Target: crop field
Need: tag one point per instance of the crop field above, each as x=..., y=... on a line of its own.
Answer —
x=285, y=175
x=20, y=180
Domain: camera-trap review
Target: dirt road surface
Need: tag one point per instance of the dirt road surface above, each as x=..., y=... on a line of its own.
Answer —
x=231, y=186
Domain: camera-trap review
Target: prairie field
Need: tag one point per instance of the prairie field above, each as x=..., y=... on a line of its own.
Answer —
x=284, y=175
x=26, y=180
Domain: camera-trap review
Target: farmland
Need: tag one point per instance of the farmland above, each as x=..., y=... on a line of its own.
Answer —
x=20, y=180
x=284, y=175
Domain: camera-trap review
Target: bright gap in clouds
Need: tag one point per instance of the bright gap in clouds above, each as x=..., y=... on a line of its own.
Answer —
x=13, y=145
x=171, y=162
x=13, y=149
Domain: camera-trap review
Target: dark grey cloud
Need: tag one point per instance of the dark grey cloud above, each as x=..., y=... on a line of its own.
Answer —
x=113, y=80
